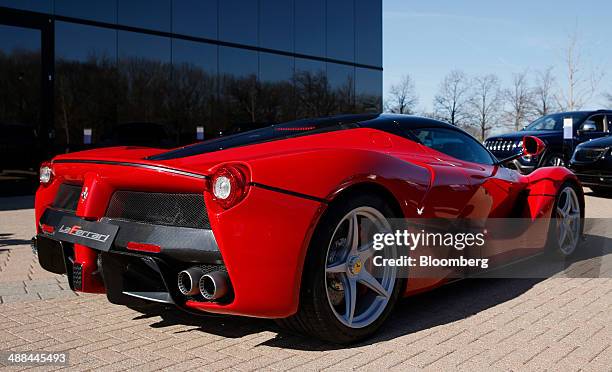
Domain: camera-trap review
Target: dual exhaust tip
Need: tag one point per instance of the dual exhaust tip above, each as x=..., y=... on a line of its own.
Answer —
x=211, y=286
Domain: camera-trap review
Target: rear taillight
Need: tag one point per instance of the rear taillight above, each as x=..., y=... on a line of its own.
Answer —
x=228, y=186
x=46, y=173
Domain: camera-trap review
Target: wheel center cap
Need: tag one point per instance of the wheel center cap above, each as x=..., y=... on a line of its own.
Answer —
x=354, y=265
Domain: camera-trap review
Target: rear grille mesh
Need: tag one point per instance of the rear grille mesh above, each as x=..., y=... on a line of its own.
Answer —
x=169, y=209
x=67, y=197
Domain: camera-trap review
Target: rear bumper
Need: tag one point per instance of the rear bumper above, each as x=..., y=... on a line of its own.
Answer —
x=261, y=243
x=127, y=277
x=183, y=244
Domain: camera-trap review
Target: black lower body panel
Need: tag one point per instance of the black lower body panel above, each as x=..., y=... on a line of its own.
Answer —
x=132, y=278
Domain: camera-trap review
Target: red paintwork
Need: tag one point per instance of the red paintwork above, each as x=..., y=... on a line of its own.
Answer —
x=264, y=237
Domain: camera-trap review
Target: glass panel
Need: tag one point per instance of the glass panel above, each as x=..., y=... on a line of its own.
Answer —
x=85, y=84
x=238, y=21
x=368, y=90
x=310, y=27
x=312, y=95
x=194, y=89
x=275, y=16
x=341, y=30
x=149, y=14
x=368, y=18
x=43, y=6
x=20, y=92
x=145, y=72
x=341, y=80
x=97, y=10
x=454, y=143
x=238, y=91
x=276, y=88
x=195, y=18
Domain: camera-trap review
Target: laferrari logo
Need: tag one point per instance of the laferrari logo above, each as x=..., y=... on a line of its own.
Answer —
x=77, y=231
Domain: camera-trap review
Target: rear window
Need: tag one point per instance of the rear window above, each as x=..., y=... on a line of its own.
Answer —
x=270, y=133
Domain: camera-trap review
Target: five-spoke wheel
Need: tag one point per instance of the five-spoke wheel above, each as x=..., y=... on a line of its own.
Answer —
x=568, y=221
x=357, y=290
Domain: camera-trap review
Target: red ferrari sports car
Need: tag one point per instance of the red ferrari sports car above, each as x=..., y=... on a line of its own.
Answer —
x=270, y=223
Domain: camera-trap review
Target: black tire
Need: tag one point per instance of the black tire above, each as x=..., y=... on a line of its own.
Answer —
x=554, y=247
x=315, y=316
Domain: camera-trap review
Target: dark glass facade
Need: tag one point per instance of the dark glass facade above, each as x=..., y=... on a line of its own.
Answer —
x=94, y=73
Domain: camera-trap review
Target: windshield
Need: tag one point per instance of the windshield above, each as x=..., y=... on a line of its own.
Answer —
x=554, y=121
x=269, y=133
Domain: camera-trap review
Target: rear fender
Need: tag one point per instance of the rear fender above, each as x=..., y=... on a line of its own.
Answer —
x=543, y=186
x=325, y=174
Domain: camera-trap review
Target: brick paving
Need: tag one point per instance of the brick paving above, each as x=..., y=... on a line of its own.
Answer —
x=560, y=323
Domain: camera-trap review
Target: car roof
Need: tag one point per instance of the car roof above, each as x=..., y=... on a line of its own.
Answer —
x=582, y=112
x=411, y=121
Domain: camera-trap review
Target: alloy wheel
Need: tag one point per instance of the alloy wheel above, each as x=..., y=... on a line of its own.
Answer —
x=568, y=220
x=357, y=290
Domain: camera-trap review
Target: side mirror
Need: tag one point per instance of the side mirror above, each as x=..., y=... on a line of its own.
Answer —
x=533, y=146
x=588, y=127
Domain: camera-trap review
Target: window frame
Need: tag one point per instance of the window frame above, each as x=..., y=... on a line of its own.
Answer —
x=604, y=122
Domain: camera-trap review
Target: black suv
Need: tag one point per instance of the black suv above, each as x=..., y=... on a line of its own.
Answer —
x=592, y=163
x=588, y=125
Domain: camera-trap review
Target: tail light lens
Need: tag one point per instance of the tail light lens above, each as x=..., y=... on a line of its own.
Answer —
x=46, y=173
x=229, y=186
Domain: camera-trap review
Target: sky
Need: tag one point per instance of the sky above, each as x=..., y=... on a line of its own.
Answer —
x=427, y=39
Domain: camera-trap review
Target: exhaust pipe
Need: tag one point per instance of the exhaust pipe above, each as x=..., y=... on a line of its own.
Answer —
x=214, y=285
x=188, y=280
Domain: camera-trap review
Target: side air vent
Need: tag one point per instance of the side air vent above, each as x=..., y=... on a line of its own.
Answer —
x=67, y=197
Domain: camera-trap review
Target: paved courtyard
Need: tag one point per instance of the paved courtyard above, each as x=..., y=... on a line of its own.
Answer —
x=560, y=323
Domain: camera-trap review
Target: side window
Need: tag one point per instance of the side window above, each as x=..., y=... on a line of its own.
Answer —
x=454, y=143
x=596, y=122
x=609, y=121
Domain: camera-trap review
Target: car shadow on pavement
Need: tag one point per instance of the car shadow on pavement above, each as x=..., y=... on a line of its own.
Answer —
x=447, y=304
x=6, y=241
x=16, y=202
x=594, y=195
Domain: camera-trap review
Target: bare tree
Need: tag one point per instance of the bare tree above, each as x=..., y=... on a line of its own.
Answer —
x=543, y=93
x=402, y=98
x=579, y=85
x=609, y=98
x=486, y=103
x=519, y=98
x=451, y=102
